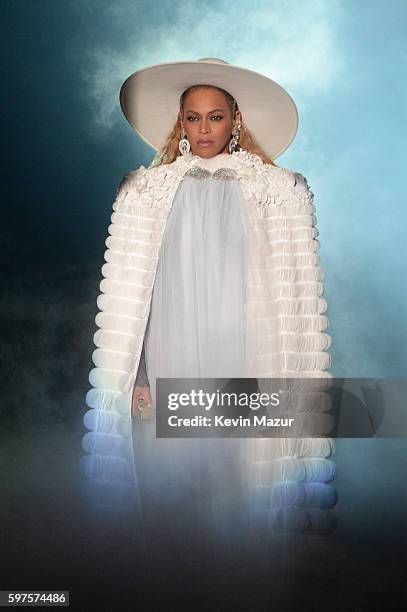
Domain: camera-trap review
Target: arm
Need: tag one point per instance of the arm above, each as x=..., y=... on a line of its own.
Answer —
x=142, y=379
x=141, y=387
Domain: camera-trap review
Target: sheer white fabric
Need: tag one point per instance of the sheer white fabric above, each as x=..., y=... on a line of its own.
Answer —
x=196, y=329
x=196, y=326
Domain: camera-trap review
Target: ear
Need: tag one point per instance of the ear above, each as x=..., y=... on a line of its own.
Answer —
x=238, y=118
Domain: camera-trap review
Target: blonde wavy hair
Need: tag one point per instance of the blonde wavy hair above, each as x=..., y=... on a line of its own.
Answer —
x=169, y=152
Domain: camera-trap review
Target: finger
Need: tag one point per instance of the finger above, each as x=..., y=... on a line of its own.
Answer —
x=136, y=397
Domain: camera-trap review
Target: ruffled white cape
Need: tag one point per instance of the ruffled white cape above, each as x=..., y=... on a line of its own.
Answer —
x=285, y=316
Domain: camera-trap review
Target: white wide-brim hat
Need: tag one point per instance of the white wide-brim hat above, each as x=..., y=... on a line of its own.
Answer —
x=150, y=101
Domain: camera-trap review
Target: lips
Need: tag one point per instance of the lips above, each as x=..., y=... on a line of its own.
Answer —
x=205, y=143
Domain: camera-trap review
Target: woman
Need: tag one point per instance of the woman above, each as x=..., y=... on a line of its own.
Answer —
x=208, y=116
x=212, y=271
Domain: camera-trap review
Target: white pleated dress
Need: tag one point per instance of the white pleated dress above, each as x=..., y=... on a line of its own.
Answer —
x=196, y=329
x=196, y=324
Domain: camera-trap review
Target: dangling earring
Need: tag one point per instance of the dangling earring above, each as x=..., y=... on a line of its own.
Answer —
x=184, y=145
x=234, y=141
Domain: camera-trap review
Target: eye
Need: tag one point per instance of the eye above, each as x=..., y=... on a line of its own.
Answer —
x=216, y=117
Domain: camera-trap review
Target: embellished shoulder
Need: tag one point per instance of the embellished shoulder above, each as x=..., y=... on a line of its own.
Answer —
x=134, y=180
x=292, y=187
x=264, y=185
x=152, y=186
x=302, y=188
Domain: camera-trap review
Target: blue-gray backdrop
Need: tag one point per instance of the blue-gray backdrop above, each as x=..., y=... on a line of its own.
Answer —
x=66, y=147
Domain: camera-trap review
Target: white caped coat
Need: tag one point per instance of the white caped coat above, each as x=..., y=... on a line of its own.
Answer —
x=285, y=308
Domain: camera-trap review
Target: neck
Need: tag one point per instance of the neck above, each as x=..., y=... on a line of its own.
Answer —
x=213, y=156
x=221, y=160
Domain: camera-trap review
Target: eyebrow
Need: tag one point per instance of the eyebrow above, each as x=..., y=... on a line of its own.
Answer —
x=212, y=111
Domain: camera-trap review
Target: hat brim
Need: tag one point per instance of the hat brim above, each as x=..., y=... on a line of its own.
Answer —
x=150, y=99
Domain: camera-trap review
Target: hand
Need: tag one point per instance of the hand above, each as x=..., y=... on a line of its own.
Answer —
x=137, y=393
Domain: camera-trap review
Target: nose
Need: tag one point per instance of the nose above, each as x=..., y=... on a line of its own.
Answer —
x=204, y=127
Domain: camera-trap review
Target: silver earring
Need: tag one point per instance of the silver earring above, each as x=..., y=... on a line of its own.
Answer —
x=234, y=141
x=184, y=145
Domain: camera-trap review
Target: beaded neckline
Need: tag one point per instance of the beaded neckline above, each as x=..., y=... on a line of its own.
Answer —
x=219, y=174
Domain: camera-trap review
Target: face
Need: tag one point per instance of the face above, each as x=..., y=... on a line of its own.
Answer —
x=207, y=121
